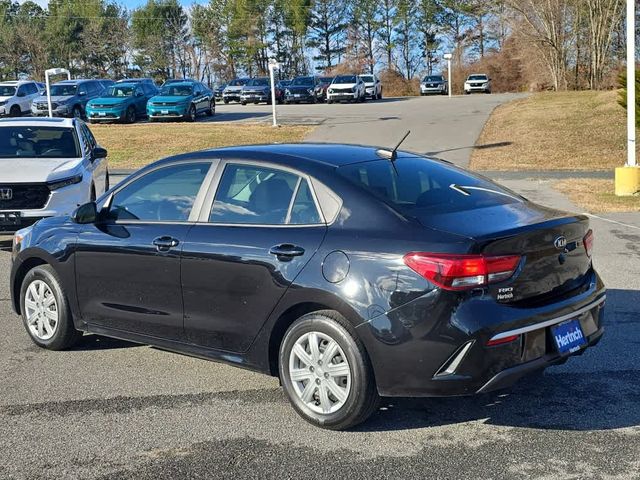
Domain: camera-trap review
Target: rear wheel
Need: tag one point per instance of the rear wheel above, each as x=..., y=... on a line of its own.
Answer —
x=243, y=103
x=45, y=310
x=212, y=109
x=15, y=111
x=326, y=373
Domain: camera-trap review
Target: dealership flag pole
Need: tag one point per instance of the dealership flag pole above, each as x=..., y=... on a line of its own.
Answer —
x=627, y=180
x=631, y=84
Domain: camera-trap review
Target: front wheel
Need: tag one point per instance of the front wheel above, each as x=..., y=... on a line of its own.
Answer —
x=326, y=372
x=76, y=112
x=131, y=115
x=45, y=310
x=191, y=114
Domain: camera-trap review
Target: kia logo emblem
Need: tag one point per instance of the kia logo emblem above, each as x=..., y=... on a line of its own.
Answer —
x=560, y=242
x=6, y=194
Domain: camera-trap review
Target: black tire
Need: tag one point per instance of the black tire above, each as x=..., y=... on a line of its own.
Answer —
x=226, y=101
x=66, y=335
x=76, y=112
x=243, y=103
x=212, y=109
x=191, y=114
x=131, y=115
x=362, y=399
x=15, y=111
x=329, y=102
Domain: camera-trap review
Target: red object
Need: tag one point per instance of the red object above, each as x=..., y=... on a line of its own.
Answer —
x=502, y=341
x=460, y=272
x=588, y=242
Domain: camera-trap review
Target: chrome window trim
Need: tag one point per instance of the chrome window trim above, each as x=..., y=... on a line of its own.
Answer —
x=548, y=323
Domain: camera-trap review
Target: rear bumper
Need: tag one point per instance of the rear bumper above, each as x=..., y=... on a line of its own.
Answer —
x=436, y=345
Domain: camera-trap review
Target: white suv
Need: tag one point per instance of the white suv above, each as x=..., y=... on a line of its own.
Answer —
x=346, y=87
x=16, y=97
x=478, y=82
x=48, y=166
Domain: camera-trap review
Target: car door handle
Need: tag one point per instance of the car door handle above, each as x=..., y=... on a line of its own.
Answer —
x=166, y=243
x=286, y=250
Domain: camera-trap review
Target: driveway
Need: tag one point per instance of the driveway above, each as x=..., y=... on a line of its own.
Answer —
x=111, y=409
x=441, y=126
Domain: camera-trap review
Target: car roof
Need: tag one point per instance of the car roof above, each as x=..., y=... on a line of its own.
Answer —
x=15, y=83
x=43, y=121
x=182, y=83
x=126, y=84
x=74, y=82
x=328, y=155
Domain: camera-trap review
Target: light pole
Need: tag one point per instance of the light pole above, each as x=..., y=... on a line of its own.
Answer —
x=273, y=65
x=49, y=72
x=447, y=57
x=627, y=180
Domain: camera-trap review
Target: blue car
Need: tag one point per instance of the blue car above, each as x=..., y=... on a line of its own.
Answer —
x=123, y=102
x=68, y=98
x=182, y=100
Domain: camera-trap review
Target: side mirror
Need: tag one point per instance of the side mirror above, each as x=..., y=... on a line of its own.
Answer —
x=82, y=94
x=85, y=214
x=99, y=152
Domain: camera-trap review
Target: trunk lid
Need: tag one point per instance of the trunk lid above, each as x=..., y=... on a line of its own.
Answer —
x=551, y=243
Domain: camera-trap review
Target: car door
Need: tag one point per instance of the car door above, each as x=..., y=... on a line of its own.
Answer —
x=140, y=101
x=200, y=98
x=237, y=262
x=128, y=263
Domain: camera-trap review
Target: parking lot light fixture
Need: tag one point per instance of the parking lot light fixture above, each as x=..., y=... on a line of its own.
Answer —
x=47, y=74
x=627, y=178
x=273, y=65
x=447, y=57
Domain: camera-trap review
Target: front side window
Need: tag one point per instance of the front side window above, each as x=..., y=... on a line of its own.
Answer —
x=165, y=195
x=254, y=195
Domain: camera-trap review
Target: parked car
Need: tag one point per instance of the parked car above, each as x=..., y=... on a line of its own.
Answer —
x=393, y=278
x=321, y=88
x=123, y=102
x=169, y=81
x=106, y=82
x=47, y=168
x=280, y=88
x=256, y=90
x=218, y=92
x=434, y=84
x=372, y=86
x=68, y=98
x=16, y=97
x=233, y=89
x=477, y=83
x=346, y=88
x=181, y=100
x=301, y=89
x=148, y=84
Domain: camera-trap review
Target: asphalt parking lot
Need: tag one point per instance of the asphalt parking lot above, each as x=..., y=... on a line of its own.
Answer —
x=111, y=409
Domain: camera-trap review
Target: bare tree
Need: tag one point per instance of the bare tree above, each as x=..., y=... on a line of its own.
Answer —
x=604, y=15
x=547, y=22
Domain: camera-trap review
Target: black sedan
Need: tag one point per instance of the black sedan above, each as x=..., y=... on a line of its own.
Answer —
x=349, y=272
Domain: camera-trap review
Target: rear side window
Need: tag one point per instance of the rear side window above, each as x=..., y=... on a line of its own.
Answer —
x=420, y=185
x=253, y=195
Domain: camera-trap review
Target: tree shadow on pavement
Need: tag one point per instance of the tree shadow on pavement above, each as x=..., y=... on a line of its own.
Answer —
x=599, y=390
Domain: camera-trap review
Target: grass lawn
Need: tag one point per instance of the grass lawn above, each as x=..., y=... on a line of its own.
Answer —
x=597, y=195
x=555, y=131
x=132, y=146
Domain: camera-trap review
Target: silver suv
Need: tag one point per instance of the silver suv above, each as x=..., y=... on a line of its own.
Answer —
x=16, y=97
x=48, y=166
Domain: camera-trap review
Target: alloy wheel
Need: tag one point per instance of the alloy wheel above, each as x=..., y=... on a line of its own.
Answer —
x=319, y=372
x=41, y=310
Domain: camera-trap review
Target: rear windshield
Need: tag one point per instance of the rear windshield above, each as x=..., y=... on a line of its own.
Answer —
x=425, y=186
x=38, y=142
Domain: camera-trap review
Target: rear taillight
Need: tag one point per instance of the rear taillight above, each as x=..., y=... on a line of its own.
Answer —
x=588, y=242
x=459, y=272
